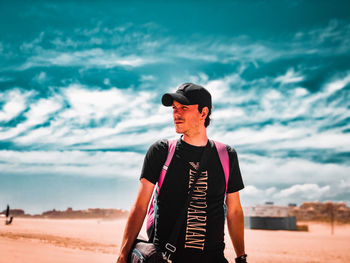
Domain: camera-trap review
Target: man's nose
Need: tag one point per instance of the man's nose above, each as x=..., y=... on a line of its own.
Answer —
x=177, y=114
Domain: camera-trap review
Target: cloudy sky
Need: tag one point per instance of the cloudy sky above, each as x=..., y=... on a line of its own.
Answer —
x=81, y=82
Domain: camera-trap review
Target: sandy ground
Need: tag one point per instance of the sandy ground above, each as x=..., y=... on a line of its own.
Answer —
x=68, y=241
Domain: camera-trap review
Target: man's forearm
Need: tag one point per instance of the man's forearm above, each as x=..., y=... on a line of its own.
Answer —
x=235, y=223
x=136, y=217
x=132, y=229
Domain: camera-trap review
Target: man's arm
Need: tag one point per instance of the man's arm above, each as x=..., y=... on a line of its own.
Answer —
x=136, y=218
x=235, y=222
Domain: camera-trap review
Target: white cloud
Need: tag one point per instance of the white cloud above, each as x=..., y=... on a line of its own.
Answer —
x=338, y=84
x=267, y=135
x=88, y=104
x=152, y=49
x=219, y=50
x=333, y=31
x=107, y=81
x=326, y=40
x=222, y=90
x=289, y=77
x=91, y=104
x=297, y=193
x=251, y=190
x=38, y=113
x=242, y=51
x=299, y=92
x=272, y=170
x=277, y=106
x=95, y=57
x=278, y=137
x=322, y=140
x=98, y=164
x=219, y=88
x=273, y=95
x=41, y=78
x=127, y=133
x=303, y=191
x=127, y=119
x=191, y=52
x=253, y=195
x=15, y=103
x=32, y=45
x=124, y=110
x=226, y=114
x=147, y=78
x=144, y=138
x=64, y=43
x=125, y=115
x=249, y=114
x=268, y=103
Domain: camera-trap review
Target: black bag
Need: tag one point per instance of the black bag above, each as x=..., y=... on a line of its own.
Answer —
x=145, y=252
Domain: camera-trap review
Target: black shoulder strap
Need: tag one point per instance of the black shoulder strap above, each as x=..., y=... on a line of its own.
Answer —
x=170, y=246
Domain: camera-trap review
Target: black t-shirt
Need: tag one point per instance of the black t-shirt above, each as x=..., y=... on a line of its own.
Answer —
x=203, y=230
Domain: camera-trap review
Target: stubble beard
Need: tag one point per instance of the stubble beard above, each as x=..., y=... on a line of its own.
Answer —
x=179, y=129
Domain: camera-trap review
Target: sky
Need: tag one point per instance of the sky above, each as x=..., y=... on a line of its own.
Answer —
x=81, y=84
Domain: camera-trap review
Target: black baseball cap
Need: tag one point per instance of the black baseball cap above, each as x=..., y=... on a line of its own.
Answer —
x=189, y=94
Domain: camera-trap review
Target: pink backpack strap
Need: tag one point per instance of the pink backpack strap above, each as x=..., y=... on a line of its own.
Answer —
x=224, y=159
x=151, y=209
x=171, y=150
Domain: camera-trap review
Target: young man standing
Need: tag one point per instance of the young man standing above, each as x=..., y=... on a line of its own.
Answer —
x=201, y=238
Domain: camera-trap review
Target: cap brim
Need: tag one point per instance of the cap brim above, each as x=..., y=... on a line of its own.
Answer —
x=168, y=99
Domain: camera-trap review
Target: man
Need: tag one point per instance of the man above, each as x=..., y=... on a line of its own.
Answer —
x=202, y=236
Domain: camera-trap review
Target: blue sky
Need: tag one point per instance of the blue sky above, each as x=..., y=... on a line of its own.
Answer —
x=81, y=82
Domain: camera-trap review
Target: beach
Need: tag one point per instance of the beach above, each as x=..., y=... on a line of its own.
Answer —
x=97, y=240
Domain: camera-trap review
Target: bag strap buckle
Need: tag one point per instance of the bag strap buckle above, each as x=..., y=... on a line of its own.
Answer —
x=170, y=248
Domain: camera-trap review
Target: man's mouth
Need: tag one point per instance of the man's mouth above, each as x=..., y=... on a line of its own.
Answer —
x=178, y=121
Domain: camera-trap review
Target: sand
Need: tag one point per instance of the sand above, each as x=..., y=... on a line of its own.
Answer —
x=68, y=241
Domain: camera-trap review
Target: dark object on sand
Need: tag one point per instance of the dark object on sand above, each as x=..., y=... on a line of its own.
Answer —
x=8, y=221
x=303, y=228
x=7, y=211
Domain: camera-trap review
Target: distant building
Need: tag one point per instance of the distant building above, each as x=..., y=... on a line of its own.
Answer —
x=317, y=211
x=270, y=217
x=14, y=212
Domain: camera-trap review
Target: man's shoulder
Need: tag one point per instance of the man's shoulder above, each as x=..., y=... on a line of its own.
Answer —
x=162, y=143
x=159, y=147
x=230, y=149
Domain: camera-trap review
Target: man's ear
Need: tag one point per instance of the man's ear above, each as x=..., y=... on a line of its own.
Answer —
x=205, y=112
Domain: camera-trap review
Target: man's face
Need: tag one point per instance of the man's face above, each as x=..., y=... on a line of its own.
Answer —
x=187, y=118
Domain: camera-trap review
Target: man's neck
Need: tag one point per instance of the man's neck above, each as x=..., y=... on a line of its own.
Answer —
x=198, y=139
